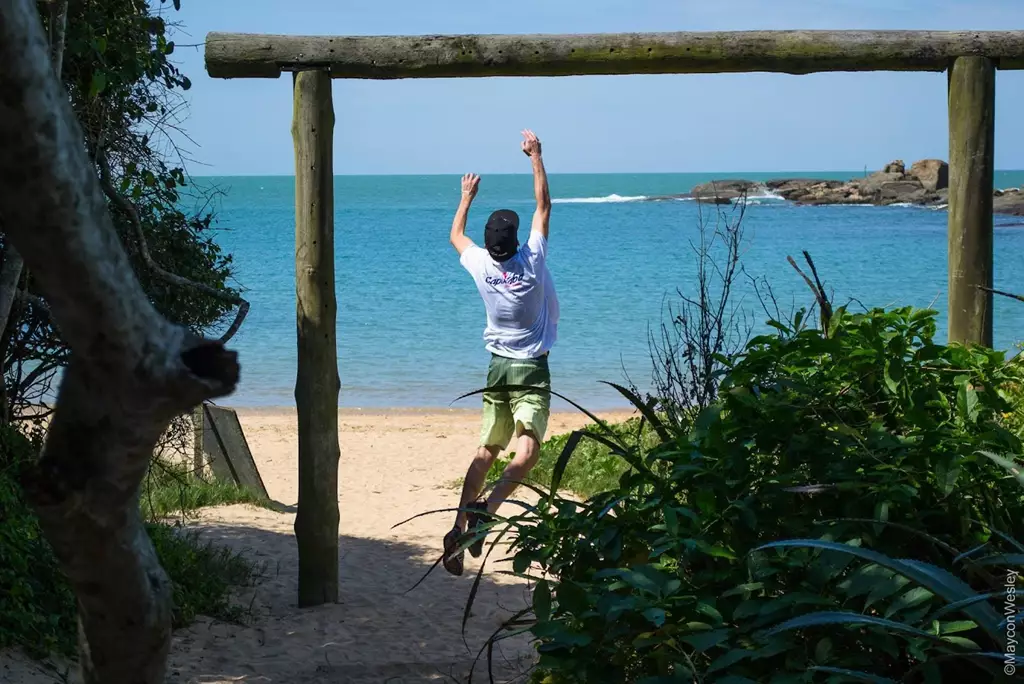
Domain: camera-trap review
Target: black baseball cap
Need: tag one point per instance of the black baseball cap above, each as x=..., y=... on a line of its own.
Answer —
x=501, y=235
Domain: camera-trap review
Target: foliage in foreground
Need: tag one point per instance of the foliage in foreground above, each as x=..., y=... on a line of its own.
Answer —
x=593, y=468
x=37, y=608
x=842, y=512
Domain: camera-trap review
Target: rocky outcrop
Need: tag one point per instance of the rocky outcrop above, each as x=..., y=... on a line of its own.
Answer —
x=895, y=167
x=1009, y=202
x=926, y=184
x=724, y=191
x=933, y=174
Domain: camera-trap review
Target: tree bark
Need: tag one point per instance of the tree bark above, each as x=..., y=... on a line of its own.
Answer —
x=10, y=272
x=972, y=96
x=316, y=383
x=240, y=55
x=131, y=371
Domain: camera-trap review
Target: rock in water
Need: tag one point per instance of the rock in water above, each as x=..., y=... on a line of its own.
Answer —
x=933, y=174
x=724, y=191
x=1009, y=202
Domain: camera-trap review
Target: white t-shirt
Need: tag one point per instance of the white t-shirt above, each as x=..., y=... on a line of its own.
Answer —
x=519, y=296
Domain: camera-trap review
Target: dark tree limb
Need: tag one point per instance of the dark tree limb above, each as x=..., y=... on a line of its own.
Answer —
x=131, y=371
x=140, y=239
x=1019, y=298
x=820, y=296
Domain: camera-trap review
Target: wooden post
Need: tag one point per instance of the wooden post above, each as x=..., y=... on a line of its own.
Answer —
x=972, y=85
x=198, y=457
x=316, y=383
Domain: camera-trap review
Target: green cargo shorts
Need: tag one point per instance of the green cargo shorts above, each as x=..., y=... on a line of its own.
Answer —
x=510, y=414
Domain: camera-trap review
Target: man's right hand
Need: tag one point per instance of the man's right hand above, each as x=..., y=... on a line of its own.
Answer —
x=470, y=184
x=531, y=144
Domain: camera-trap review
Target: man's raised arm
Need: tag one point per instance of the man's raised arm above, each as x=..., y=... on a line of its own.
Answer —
x=542, y=216
x=470, y=184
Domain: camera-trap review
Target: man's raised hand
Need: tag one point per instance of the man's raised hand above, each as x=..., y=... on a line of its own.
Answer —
x=470, y=184
x=531, y=144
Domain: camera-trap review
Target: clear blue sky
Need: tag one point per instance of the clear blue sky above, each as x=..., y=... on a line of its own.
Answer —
x=730, y=122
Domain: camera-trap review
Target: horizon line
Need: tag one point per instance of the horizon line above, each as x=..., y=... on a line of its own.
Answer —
x=782, y=173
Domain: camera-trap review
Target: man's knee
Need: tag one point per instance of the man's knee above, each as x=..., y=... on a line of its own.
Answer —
x=485, y=456
x=528, y=450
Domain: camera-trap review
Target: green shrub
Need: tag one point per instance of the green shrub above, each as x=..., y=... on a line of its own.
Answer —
x=37, y=607
x=204, y=575
x=761, y=544
x=593, y=468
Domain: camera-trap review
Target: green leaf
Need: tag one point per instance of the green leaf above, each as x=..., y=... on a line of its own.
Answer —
x=967, y=400
x=705, y=640
x=823, y=650
x=956, y=626
x=886, y=588
x=728, y=660
x=645, y=410
x=937, y=580
x=656, y=616
x=542, y=601
x=890, y=383
x=1006, y=463
x=743, y=589
x=914, y=597
x=707, y=610
x=947, y=471
x=98, y=83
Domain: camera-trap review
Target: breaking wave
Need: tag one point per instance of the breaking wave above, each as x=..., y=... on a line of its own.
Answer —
x=600, y=200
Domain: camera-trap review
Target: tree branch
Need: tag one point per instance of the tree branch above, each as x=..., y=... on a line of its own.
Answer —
x=131, y=371
x=140, y=238
x=817, y=288
x=1019, y=298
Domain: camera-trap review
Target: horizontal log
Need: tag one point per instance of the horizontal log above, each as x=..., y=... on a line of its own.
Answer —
x=239, y=55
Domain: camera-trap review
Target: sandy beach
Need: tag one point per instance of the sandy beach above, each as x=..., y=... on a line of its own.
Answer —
x=394, y=465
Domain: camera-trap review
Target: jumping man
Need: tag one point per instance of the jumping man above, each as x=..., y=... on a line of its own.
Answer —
x=522, y=322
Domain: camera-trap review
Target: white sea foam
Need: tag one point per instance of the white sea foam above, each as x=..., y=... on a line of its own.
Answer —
x=765, y=194
x=600, y=200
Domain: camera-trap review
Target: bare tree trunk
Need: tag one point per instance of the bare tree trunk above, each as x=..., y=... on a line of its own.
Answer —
x=10, y=272
x=131, y=371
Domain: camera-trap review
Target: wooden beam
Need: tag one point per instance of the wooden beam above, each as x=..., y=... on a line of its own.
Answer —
x=239, y=55
x=316, y=383
x=972, y=94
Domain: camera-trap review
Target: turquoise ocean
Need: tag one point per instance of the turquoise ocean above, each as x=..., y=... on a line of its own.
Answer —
x=410, y=320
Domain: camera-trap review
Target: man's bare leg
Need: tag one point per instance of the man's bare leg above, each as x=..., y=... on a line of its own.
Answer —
x=527, y=454
x=476, y=477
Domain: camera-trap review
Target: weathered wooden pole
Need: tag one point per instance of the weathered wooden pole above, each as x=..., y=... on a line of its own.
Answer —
x=316, y=382
x=972, y=93
x=240, y=55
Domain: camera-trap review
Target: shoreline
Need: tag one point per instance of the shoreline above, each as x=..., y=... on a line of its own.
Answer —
x=413, y=411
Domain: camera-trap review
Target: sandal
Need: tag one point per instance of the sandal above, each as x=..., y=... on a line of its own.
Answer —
x=451, y=560
x=476, y=520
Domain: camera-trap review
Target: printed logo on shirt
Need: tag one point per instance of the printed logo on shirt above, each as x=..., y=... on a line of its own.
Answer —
x=506, y=279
